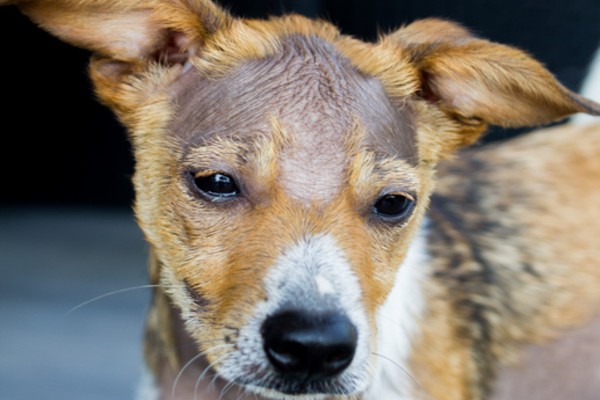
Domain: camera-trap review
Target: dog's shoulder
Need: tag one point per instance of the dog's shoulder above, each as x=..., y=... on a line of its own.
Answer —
x=509, y=224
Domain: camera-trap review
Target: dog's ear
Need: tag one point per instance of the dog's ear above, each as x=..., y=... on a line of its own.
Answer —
x=483, y=81
x=128, y=30
x=128, y=35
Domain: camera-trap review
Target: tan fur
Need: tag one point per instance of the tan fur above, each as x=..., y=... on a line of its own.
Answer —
x=545, y=266
x=511, y=222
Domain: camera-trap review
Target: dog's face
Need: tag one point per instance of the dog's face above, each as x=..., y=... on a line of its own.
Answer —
x=283, y=169
x=291, y=188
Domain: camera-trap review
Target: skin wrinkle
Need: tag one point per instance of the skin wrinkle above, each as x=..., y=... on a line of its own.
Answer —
x=315, y=94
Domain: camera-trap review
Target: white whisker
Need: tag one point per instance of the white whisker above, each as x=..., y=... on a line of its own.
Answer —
x=401, y=368
x=209, y=367
x=225, y=389
x=119, y=291
x=181, y=371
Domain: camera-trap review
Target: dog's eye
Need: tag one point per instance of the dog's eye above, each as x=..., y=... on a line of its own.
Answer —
x=217, y=185
x=393, y=206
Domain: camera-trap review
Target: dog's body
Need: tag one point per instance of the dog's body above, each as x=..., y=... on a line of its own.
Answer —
x=522, y=288
x=284, y=176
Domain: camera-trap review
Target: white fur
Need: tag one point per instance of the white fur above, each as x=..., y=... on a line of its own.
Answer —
x=398, y=323
x=590, y=89
x=324, y=285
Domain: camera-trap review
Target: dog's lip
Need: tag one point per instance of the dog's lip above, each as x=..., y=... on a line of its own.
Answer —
x=286, y=386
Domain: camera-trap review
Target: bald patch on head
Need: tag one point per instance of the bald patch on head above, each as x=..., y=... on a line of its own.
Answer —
x=315, y=95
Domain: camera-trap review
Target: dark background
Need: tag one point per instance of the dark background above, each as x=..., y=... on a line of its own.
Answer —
x=59, y=147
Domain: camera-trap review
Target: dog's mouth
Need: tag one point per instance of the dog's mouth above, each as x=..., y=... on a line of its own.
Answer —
x=200, y=379
x=263, y=384
x=275, y=387
x=269, y=385
x=297, y=356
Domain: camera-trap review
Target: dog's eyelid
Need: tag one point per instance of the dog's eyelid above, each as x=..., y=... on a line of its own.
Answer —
x=410, y=195
x=204, y=173
x=398, y=190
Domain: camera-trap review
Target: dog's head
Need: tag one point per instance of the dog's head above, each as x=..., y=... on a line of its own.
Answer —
x=283, y=168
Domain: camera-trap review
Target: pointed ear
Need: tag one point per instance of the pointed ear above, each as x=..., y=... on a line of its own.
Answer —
x=129, y=38
x=478, y=80
x=130, y=31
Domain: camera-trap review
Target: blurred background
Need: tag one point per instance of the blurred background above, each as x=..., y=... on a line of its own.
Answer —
x=67, y=233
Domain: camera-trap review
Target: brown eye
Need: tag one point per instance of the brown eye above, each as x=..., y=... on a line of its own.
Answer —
x=217, y=186
x=393, y=206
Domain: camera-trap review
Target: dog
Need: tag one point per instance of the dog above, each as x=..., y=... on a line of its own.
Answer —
x=314, y=233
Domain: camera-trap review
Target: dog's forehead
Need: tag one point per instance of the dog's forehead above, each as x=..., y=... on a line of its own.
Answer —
x=315, y=95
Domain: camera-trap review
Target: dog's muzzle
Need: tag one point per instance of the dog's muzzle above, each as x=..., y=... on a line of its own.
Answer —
x=310, y=337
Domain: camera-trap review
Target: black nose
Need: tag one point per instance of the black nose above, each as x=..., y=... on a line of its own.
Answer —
x=309, y=346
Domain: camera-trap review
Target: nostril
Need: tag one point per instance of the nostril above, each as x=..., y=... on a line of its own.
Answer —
x=287, y=356
x=337, y=358
x=309, y=345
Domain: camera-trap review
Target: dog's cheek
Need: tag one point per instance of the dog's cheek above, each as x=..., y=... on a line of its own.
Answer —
x=226, y=254
x=389, y=246
x=375, y=253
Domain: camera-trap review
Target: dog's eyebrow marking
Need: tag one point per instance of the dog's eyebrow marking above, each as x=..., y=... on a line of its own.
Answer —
x=371, y=173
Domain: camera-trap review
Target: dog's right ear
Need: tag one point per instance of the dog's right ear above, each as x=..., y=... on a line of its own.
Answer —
x=128, y=35
x=477, y=82
x=479, y=79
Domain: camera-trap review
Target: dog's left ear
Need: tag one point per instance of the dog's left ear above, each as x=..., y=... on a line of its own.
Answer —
x=127, y=30
x=480, y=80
x=128, y=36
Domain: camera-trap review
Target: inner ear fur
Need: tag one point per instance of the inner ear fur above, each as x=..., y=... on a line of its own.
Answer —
x=129, y=31
x=129, y=38
x=477, y=80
